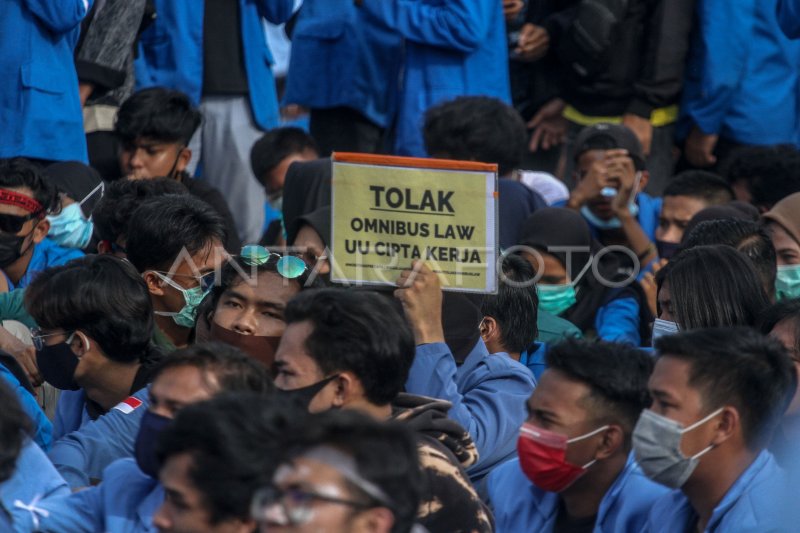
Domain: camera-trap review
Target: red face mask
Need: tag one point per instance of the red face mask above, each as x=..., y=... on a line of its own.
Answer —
x=542, y=457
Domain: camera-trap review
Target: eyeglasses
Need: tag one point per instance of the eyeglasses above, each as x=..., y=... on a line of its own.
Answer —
x=288, y=266
x=292, y=506
x=38, y=337
x=205, y=281
x=14, y=223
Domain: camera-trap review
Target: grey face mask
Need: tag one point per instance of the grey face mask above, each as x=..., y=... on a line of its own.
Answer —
x=662, y=328
x=657, y=445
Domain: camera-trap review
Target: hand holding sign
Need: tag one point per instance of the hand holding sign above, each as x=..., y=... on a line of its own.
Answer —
x=421, y=295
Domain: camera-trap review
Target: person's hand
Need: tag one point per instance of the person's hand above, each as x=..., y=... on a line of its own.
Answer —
x=642, y=128
x=85, y=91
x=512, y=8
x=534, y=42
x=621, y=171
x=421, y=295
x=648, y=283
x=25, y=355
x=700, y=148
x=590, y=185
x=549, y=126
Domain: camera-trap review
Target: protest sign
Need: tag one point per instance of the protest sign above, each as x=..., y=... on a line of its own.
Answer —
x=388, y=211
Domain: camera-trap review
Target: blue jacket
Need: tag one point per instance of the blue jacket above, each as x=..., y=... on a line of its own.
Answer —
x=488, y=393
x=171, y=52
x=43, y=429
x=34, y=479
x=742, y=75
x=45, y=255
x=753, y=503
x=519, y=505
x=533, y=359
x=124, y=502
x=789, y=17
x=340, y=59
x=83, y=454
x=39, y=105
x=453, y=48
x=618, y=321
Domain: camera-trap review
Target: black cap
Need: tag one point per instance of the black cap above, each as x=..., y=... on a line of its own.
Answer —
x=76, y=180
x=609, y=137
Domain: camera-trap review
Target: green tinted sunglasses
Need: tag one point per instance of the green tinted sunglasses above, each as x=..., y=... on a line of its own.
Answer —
x=288, y=266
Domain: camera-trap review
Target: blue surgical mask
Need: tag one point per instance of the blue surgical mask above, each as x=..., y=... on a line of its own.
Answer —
x=187, y=316
x=556, y=299
x=70, y=228
x=787, y=282
x=599, y=223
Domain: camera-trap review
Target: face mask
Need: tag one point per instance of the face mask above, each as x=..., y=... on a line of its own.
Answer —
x=57, y=364
x=667, y=250
x=276, y=201
x=787, y=282
x=11, y=249
x=150, y=429
x=662, y=328
x=70, y=229
x=599, y=223
x=303, y=396
x=260, y=348
x=186, y=317
x=556, y=299
x=542, y=457
x=657, y=445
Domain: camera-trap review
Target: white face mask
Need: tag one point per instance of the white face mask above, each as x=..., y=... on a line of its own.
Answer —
x=663, y=328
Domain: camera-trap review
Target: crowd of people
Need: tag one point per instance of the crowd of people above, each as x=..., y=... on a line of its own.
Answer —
x=175, y=357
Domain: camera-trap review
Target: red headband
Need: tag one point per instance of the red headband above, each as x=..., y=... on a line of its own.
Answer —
x=20, y=200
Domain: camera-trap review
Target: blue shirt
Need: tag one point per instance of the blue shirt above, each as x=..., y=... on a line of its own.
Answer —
x=789, y=17
x=753, y=503
x=43, y=429
x=519, y=505
x=488, y=393
x=45, y=254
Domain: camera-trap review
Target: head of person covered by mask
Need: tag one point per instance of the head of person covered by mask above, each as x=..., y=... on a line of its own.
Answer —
x=214, y=457
x=154, y=127
x=188, y=376
x=782, y=321
x=80, y=188
x=309, y=237
x=247, y=304
x=685, y=195
x=95, y=326
x=718, y=395
x=26, y=198
x=272, y=155
x=344, y=349
x=783, y=225
x=175, y=242
x=577, y=436
x=335, y=478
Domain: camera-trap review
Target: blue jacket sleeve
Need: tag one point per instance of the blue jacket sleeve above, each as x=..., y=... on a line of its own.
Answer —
x=83, y=455
x=43, y=429
x=789, y=17
x=490, y=411
x=456, y=24
x=79, y=512
x=618, y=321
x=724, y=40
x=276, y=11
x=61, y=16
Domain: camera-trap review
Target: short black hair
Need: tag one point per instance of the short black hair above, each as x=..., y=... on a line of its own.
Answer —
x=163, y=226
x=515, y=307
x=784, y=310
x=275, y=146
x=157, y=113
x=121, y=198
x=738, y=367
x=357, y=331
x=101, y=295
x=700, y=184
x=617, y=375
x=234, y=443
x=771, y=173
x=20, y=172
x=476, y=128
x=713, y=286
x=748, y=237
x=15, y=430
x=233, y=370
x=369, y=442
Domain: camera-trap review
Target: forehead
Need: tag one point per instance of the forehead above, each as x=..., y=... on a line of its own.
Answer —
x=670, y=374
x=6, y=209
x=558, y=392
x=305, y=471
x=308, y=236
x=266, y=287
x=292, y=349
x=208, y=258
x=781, y=238
x=590, y=156
x=682, y=207
x=183, y=383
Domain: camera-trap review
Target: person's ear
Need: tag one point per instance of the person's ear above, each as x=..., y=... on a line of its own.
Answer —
x=155, y=285
x=81, y=344
x=346, y=385
x=644, y=181
x=103, y=247
x=489, y=329
x=613, y=441
x=377, y=520
x=41, y=230
x=726, y=425
x=184, y=156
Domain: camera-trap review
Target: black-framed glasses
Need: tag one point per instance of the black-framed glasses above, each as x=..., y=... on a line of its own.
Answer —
x=38, y=337
x=14, y=223
x=288, y=266
x=293, y=506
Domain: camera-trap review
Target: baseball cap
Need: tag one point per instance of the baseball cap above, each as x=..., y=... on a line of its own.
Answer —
x=609, y=137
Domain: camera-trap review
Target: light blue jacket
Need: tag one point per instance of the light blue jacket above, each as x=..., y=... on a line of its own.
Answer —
x=339, y=58
x=789, y=17
x=742, y=74
x=754, y=503
x=519, y=505
x=39, y=105
x=34, y=479
x=43, y=429
x=488, y=393
x=453, y=48
x=171, y=52
x=83, y=454
x=46, y=254
x=124, y=502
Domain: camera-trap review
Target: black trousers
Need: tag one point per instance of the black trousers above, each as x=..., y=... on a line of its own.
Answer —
x=342, y=129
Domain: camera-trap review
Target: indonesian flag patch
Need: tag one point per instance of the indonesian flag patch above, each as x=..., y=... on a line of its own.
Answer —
x=128, y=405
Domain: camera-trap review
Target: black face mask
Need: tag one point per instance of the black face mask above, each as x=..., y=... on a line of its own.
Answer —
x=57, y=364
x=150, y=429
x=666, y=250
x=304, y=395
x=10, y=248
